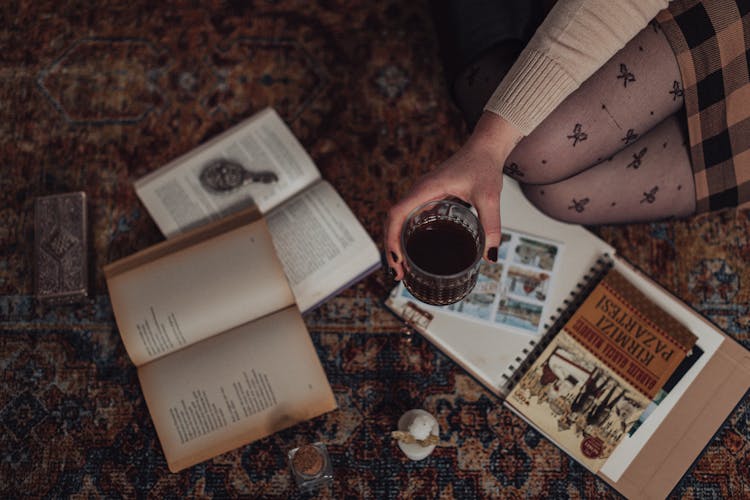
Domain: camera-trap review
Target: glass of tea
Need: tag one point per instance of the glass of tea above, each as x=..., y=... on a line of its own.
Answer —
x=443, y=244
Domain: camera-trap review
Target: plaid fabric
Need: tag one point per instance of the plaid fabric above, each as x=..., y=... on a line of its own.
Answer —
x=710, y=39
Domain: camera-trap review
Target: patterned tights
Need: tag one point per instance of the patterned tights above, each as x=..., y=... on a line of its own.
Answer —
x=615, y=150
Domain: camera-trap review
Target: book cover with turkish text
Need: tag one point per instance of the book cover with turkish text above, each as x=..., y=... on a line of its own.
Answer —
x=601, y=370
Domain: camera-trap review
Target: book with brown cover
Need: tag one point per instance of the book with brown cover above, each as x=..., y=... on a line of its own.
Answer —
x=601, y=370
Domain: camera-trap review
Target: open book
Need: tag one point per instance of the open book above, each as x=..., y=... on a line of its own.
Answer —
x=322, y=246
x=506, y=334
x=223, y=355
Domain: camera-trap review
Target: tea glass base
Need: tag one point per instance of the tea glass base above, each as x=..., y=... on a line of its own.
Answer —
x=437, y=296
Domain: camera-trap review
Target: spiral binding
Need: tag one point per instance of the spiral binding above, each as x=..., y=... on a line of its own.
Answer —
x=577, y=296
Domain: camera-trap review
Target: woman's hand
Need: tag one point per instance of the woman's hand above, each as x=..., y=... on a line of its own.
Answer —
x=473, y=174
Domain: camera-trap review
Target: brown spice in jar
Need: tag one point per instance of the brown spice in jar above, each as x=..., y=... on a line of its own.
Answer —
x=308, y=460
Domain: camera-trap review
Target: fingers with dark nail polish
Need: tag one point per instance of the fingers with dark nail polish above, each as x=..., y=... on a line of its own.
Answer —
x=394, y=256
x=492, y=254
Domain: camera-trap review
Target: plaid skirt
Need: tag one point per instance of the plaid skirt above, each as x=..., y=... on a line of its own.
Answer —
x=711, y=40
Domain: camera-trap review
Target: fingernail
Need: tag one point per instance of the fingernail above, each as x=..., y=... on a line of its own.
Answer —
x=394, y=256
x=492, y=254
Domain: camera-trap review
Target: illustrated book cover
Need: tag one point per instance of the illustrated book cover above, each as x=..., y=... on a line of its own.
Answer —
x=601, y=370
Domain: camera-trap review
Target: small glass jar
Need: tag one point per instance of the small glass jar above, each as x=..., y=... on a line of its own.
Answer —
x=311, y=466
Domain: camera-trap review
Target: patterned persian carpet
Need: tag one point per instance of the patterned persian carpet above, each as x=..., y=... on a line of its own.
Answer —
x=93, y=95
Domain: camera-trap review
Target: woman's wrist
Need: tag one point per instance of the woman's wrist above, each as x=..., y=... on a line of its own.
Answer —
x=495, y=136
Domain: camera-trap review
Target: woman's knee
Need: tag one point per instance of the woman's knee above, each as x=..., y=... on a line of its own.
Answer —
x=544, y=199
x=529, y=164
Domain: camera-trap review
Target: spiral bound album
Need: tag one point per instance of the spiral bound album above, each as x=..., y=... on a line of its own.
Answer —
x=518, y=312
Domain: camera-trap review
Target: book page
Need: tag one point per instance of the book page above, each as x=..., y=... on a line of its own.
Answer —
x=215, y=179
x=321, y=244
x=183, y=297
x=235, y=388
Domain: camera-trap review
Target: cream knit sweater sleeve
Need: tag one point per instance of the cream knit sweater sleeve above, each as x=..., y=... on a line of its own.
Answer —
x=576, y=39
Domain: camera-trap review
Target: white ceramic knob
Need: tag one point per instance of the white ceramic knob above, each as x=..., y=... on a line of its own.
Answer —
x=414, y=422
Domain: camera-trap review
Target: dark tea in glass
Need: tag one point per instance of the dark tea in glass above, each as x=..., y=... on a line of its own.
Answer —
x=443, y=244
